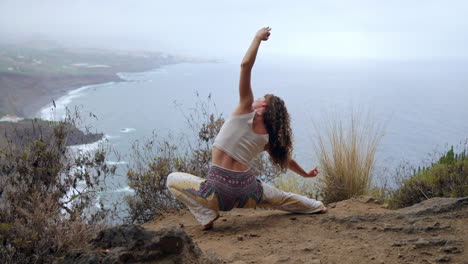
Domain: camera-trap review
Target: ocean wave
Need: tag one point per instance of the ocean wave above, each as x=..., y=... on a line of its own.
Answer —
x=116, y=162
x=87, y=148
x=127, y=130
x=72, y=192
x=11, y=118
x=112, y=136
x=126, y=189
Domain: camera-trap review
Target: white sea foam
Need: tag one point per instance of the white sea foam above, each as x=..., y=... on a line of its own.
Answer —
x=10, y=118
x=127, y=130
x=98, y=204
x=125, y=189
x=113, y=136
x=80, y=187
x=87, y=148
x=49, y=112
x=116, y=162
x=82, y=149
x=99, y=66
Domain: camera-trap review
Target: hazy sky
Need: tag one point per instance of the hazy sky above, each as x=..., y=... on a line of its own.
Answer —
x=217, y=28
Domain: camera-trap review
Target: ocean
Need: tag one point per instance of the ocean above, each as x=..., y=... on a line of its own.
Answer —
x=421, y=103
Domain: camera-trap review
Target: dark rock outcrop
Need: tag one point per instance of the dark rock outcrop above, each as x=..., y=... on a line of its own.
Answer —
x=134, y=244
x=436, y=205
x=432, y=206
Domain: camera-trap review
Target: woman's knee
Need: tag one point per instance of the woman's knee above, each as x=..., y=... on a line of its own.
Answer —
x=171, y=180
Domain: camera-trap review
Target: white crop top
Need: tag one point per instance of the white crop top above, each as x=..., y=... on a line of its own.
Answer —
x=237, y=138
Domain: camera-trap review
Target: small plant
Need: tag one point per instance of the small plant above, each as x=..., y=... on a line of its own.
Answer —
x=447, y=177
x=346, y=149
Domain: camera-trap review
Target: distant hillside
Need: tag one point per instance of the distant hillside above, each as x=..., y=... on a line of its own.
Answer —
x=79, y=61
x=32, y=77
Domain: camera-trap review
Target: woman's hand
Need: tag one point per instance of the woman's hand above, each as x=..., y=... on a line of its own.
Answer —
x=313, y=173
x=263, y=33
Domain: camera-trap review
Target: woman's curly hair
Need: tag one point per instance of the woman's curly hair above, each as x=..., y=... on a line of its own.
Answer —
x=277, y=123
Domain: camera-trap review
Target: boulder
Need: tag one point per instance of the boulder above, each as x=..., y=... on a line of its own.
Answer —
x=135, y=244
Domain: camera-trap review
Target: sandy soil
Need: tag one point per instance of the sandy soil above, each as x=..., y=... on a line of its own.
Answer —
x=353, y=231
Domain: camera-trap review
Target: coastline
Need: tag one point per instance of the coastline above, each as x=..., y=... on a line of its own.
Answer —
x=31, y=78
x=25, y=95
x=30, y=109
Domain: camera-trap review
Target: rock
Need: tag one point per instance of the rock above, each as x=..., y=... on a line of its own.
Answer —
x=451, y=250
x=421, y=243
x=236, y=256
x=397, y=244
x=392, y=228
x=240, y=238
x=435, y=206
x=366, y=199
x=283, y=259
x=443, y=259
x=353, y=218
x=132, y=243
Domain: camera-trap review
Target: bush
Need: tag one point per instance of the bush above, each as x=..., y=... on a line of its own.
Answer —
x=448, y=177
x=346, y=151
x=156, y=158
x=47, y=196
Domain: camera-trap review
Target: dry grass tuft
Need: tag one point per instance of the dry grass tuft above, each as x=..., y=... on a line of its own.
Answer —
x=346, y=148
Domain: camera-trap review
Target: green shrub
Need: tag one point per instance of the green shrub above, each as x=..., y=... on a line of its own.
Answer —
x=448, y=177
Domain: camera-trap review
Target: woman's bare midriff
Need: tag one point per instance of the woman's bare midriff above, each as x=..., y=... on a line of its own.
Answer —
x=220, y=158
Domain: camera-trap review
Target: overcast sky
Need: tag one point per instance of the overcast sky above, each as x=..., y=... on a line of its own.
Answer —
x=218, y=28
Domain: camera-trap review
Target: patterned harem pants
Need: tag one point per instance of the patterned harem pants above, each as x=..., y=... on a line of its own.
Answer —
x=225, y=189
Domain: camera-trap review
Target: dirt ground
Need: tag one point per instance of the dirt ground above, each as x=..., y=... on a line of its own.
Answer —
x=353, y=231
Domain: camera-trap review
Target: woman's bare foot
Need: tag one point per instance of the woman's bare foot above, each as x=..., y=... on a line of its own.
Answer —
x=209, y=226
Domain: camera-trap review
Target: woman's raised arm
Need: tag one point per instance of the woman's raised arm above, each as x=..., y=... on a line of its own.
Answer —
x=245, y=90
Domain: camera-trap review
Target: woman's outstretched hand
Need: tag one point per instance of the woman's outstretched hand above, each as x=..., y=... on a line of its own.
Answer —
x=263, y=33
x=313, y=173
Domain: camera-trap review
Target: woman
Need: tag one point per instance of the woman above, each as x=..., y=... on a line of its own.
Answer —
x=255, y=126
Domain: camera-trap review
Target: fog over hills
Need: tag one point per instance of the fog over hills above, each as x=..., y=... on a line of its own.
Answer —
x=345, y=29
